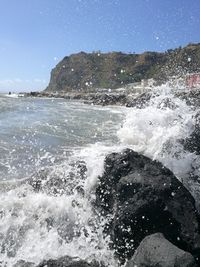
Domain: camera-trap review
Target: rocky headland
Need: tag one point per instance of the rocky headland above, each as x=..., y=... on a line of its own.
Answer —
x=120, y=79
x=84, y=72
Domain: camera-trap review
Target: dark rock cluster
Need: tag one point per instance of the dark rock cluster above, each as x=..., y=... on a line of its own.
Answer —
x=192, y=143
x=143, y=198
x=109, y=99
x=191, y=97
x=67, y=261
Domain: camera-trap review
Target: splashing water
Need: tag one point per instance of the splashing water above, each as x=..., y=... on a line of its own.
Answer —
x=36, y=226
x=45, y=197
x=48, y=172
x=157, y=130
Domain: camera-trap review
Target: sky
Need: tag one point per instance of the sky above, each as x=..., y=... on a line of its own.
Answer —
x=36, y=34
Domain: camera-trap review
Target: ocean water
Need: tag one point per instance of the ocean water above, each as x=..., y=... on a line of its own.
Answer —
x=64, y=144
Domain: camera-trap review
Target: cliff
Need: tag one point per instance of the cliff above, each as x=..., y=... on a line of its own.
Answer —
x=84, y=71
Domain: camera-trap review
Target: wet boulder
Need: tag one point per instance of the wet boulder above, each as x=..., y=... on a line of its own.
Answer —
x=67, y=261
x=167, y=103
x=192, y=143
x=140, y=101
x=109, y=99
x=155, y=250
x=143, y=197
x=191, y=97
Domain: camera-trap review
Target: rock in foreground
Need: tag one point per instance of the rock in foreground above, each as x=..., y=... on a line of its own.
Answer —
x=155, y=250
x=143, y=198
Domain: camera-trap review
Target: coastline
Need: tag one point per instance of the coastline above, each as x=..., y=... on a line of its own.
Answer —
x=126, y=99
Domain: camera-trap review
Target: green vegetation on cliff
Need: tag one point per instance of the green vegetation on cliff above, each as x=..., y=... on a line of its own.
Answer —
x=83, y=71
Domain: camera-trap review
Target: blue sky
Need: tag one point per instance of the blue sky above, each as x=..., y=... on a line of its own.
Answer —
x=36, y=34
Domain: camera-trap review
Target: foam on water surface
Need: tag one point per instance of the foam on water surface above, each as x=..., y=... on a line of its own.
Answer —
x=36, y=226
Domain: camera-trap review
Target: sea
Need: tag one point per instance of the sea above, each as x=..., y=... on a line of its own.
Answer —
x=61, y=146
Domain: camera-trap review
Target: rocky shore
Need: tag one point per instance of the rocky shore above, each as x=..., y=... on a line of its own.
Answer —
x=143, y=198
x=103, y=99
x=128, y=99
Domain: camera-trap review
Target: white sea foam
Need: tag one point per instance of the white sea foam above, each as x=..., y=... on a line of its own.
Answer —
x=94, y=157
x=156, y=131
x=37, y=226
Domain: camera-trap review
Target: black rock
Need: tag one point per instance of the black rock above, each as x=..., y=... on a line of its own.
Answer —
x=67, y=261
x=192, y=143
x=109, y=99
x=140, y=101
x=155, y=250
x=191, y=97
x=143, y=198
x=23, y=263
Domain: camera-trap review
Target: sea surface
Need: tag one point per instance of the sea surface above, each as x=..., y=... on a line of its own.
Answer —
x=63, y=144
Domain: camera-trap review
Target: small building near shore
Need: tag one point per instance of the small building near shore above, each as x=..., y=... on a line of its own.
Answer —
x=193, y=80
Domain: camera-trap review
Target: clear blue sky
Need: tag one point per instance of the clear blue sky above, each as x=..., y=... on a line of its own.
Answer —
x=36, y=34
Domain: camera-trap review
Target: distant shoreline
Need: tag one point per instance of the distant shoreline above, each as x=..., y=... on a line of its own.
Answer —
x=123, y=98
x=103, y=98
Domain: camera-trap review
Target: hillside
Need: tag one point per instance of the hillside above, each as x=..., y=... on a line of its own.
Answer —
x=84, y=71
